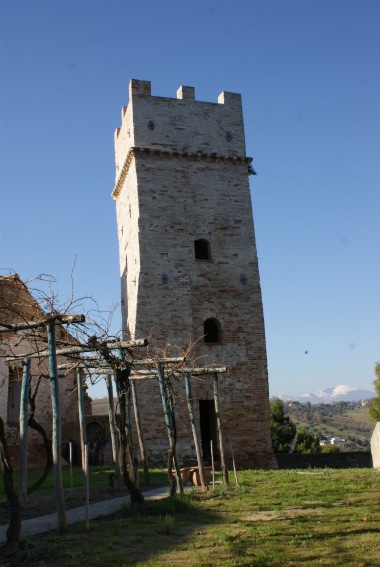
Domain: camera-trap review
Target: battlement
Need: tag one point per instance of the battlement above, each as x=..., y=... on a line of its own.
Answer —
x=180, y=124
x=139, y=88
x=143, y=89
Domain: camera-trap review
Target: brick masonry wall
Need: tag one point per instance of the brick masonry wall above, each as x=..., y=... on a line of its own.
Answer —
x=16, y=306
x=43, y=414
x=36, y=455
x=187, y=179
x=325, y=460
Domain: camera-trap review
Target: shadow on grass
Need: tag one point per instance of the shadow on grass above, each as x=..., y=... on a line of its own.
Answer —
x=124, y=538
x=205, y=529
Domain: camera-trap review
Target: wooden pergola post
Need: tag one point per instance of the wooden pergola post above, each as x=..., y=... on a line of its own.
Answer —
x=23, y=451
x=197, y=444
x=136, y=411
x=82, y=421
x=56, y=429
x=220, y=430
x=83, y=444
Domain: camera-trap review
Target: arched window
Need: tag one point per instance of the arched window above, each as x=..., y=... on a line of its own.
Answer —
x=211, y=328
x=202, y=249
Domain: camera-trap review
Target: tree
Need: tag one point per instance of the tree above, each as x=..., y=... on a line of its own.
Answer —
x=306, y=442
x=330, y=449
x=283, y=430
x=374, y=405
x=13, y=533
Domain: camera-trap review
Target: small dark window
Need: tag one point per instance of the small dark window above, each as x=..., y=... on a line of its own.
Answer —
x=202, y=249
x=211, y=329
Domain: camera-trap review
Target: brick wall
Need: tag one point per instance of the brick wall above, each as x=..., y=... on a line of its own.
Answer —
x=325, y=460
x=17, y=306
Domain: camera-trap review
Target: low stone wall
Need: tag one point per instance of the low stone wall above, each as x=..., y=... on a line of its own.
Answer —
x=325, y=460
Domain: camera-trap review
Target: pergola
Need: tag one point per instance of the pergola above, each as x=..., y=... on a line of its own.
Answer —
x=125, y=373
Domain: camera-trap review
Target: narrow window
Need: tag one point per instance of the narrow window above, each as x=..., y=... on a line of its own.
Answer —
x=211, y=329
x=14, y=394
x=202, y=249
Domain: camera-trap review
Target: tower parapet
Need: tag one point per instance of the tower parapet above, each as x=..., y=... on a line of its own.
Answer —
x=180, y=124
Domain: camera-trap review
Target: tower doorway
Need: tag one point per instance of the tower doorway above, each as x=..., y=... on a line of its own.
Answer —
x=208, y=429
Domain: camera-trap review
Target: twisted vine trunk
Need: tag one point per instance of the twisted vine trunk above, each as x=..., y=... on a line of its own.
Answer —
x=126, y=457
x=33, y=424
x=13, y=533
x=49, y=460
x=123, y=390
x=169, y=413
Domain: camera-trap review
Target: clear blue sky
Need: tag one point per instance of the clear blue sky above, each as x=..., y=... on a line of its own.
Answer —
x=309, y=75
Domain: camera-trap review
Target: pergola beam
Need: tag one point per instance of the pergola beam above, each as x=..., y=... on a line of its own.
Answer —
x=60, y=319
x=146, y=374
x=146, y=361
x=95, y=363
x=82, y=348
x=192, y=371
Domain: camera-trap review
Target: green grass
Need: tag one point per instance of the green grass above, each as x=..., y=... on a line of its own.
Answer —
x=361, y=415
x=273, y=518
x=98, y=477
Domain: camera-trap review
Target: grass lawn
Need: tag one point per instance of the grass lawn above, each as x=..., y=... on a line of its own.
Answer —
x=362, y=416
x=273, y=518
x=98, y=477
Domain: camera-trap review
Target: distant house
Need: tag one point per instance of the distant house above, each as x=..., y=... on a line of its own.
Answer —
x=332, y=441
x=337, y=440
x=18, y=306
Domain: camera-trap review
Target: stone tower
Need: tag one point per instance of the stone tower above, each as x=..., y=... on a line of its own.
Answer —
x=188, y=261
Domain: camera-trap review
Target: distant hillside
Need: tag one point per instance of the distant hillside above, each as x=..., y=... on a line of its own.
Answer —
x=342, y=393
x=349, y=420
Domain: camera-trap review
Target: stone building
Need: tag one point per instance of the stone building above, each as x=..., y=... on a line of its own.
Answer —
x=188, y=262
x=18, y=306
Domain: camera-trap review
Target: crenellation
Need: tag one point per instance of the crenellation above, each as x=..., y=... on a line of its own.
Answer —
x=182, y=124
x=232, y=100
x=139, y=88
x=186, y=93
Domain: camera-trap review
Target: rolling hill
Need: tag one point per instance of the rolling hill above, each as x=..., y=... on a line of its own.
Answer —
x=349, y=420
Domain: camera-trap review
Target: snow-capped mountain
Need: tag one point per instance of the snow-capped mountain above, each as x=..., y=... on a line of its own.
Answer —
x=341, y=393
